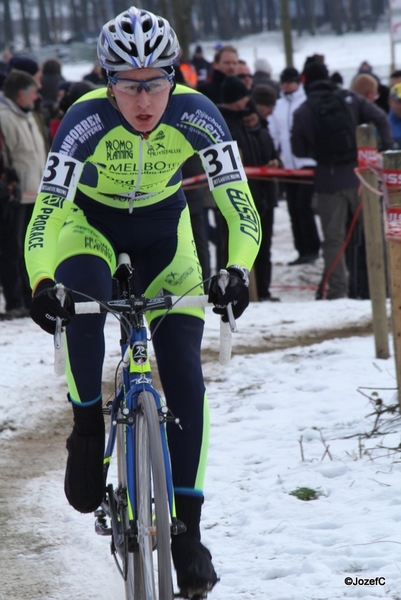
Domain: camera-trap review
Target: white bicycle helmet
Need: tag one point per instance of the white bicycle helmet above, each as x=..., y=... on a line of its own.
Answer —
x=135, y=39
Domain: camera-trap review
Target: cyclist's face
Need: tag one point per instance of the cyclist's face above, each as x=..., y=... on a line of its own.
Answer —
x=142, y=109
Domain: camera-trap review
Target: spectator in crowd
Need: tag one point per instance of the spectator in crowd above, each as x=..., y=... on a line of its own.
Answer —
x=394, y=115
x=185, y=71
x=256, y=149
x=97, y=75
x=366, y=68
x=203, y=67
x=10, y=252
x=395, y=77
x=27, y=151
x=336, y=184
x=381, y=99
x=263, y=74
x=31, y=66
x=225, y=64
x=5, y=56
x=264, y=98
x=337, y=78
x=260, y=151
x=299, y=194
x=366, y=85
x=234, y=98
x=49, y=86
x=195, y=200
x=244, y=73
x=71, y=92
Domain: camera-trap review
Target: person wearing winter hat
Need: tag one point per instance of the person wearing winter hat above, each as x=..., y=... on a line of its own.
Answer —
x=263, y=74
x=332, y=143
x=234, y=98
x=234, y=93
x=27, y=64
x=265, y=98
x=298, y=195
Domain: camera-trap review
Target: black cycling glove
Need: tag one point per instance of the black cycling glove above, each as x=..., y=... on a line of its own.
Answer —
x=236, y=293
x=45, y=306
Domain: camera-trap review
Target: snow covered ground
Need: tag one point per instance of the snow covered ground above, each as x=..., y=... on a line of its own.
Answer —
x=296, y=417
x=281, y=420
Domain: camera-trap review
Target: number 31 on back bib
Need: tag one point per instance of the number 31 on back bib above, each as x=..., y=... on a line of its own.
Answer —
x=222, y=164
x=61, y=176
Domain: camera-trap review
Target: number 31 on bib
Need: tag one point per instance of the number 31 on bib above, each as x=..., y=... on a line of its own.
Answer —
x=222, y=164
x=61, y=176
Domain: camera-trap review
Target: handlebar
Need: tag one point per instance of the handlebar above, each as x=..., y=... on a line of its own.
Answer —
x=140, y=304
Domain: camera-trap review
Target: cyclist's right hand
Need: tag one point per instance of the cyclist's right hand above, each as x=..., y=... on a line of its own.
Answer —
x=46, y=306
x=236, y=293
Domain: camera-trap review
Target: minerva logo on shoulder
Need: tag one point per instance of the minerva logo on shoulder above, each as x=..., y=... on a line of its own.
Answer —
x=204, y=122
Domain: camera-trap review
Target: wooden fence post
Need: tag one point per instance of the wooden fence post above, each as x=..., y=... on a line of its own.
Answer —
x=392, y=182
x=375, y=254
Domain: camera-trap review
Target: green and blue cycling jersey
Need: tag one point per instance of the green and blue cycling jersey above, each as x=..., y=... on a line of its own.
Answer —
x=98, y=163
x=105, y=190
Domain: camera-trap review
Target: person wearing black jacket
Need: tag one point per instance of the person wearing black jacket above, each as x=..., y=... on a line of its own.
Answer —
x=257, y=149
x=260, y=152
x=224, y=65
x=336, y=185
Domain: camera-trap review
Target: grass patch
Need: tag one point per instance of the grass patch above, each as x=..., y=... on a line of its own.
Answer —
x=305, y=493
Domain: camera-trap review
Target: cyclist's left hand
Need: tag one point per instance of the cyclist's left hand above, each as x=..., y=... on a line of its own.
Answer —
x=236, y=293
x=46, y=306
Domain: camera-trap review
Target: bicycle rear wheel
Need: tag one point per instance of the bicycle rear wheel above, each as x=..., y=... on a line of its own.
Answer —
x=147, y=580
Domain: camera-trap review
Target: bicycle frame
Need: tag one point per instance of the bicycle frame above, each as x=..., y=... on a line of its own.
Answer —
x=134, y=403
x=136, y=378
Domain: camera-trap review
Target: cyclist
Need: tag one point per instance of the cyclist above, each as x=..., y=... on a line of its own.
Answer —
x=112, y=183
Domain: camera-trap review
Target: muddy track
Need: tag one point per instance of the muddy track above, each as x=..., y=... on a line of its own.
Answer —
x=27, y=570
x=272, y=343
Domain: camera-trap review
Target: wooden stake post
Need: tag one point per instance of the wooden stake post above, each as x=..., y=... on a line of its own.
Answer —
x=392, y=182
x=375, y=254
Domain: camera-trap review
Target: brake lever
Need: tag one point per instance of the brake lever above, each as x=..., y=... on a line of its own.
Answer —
x=60, y=294
x=222, y=281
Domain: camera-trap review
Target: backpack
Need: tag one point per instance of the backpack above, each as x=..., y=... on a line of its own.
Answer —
x=334, y=128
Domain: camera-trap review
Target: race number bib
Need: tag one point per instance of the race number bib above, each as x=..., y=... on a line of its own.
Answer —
x=61, y=176
x=222, y=164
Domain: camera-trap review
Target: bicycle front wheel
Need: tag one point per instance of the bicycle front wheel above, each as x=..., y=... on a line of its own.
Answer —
x=153, y=517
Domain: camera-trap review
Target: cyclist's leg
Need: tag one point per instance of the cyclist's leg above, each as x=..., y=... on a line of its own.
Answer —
x=177, y=344
x=83, y=267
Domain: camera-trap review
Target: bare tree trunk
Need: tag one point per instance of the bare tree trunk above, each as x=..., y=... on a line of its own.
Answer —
x=299, y=17
x=24, y=22
x=271, y=15
x=7, y=24
x=53, y=21
x=76, y=23
x=286, y=28
x=355, y=14
x=44, y=30
x=206, y=10
x=225, y=26
x=182, y=10
x=336, y=16
x=310, y=16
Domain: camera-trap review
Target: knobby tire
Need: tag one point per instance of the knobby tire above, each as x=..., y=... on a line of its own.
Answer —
x=153, y=518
